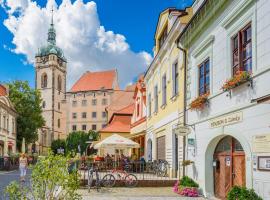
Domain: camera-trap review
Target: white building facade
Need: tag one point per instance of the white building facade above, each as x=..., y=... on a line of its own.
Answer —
x=230, y=138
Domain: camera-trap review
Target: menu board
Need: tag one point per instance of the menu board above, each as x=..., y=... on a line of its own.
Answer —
x=264, y=163
x=261, y=143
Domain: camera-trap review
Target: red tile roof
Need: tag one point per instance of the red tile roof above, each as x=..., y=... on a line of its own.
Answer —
x=95, y=81
x=119, y=124
x=126, y=110
x=3, y=90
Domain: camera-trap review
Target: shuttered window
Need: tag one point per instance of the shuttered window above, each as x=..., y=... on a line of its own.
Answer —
x=161, y=148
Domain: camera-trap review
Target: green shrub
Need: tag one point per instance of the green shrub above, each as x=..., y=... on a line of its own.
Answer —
x=188, y=182
x=242, y=193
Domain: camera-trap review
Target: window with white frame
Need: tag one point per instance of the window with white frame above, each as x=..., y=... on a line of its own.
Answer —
x=175, y=77
x=149, y=105
x=242, y=50
x=164, y=89
x=204, y=77
x=156, y=97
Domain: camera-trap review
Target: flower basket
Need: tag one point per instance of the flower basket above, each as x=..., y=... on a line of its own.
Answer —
x=200, y=102
x=239, y=78
x=189, y=191
x=186, y=187
x=187, y=162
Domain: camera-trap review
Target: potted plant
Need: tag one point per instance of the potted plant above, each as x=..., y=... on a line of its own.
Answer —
x=239, y=78
x=200, y=102
x=186, y=187
x=238, y=193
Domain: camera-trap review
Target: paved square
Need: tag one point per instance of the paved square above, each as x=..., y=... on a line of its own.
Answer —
x=139, y=193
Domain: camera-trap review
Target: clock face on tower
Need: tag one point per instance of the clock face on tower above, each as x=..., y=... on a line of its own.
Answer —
x=44, y=59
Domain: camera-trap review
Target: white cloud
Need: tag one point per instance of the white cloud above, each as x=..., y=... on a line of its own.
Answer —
x=85, y=42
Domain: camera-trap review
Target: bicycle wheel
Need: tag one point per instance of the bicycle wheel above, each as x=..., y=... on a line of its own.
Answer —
x=131, y=180
x=90, y=181
x=108, y=180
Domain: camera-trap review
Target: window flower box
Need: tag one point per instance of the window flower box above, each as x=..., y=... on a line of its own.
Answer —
x=200, y=102
x=238, y=79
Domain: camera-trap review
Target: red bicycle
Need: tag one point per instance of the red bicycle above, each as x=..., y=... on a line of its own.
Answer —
x=109, y=180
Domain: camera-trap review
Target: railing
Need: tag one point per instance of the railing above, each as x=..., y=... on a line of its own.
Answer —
x=144, y=171
x=9, y=163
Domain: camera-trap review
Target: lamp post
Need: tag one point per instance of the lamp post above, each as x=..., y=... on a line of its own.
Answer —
x=183, y=130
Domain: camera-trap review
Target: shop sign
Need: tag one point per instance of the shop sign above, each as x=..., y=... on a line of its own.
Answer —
x=261, y=143
x=226, y=120
x=182, y=130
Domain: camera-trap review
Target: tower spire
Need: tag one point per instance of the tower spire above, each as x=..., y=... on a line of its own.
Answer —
x=52, y=16
x=51, y=32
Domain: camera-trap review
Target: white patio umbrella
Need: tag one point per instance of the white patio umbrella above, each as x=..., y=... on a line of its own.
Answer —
x=117, y=142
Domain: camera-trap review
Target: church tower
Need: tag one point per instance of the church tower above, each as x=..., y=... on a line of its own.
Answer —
x=50, y=65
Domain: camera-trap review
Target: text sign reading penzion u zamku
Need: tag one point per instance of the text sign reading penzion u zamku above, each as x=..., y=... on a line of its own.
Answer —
x=226, y=120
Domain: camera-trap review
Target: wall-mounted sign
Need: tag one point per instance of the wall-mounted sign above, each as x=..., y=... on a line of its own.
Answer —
x=261, y=143
x=228, y=161
x=226, y=120
x=264, y=163
x=191, y=142
x=182, y=130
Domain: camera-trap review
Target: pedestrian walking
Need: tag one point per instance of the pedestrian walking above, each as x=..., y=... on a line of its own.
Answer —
x=23, y=166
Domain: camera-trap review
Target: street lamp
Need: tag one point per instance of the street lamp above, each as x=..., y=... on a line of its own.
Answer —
x=184, y=131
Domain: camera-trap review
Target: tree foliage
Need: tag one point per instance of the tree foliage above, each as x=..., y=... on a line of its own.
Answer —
x=50, y=180
x=79, y=138
x=57, y=144
x=27, y=103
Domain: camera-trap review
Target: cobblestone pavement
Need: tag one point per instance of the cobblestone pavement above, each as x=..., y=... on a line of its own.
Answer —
x=7, y=177
x=139, y=193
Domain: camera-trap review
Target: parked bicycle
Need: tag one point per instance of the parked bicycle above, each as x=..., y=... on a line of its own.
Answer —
x=91, y=172
x=158, y=167
x=109, y=180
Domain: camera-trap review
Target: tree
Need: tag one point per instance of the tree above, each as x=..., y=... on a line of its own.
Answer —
x=57, y=144
x=48, y=176
x=79, y=138
x=27, y=103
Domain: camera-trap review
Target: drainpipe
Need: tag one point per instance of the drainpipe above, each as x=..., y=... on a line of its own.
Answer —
x=185, y=101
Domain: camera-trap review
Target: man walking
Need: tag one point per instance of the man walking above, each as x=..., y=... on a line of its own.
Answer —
x=23, y=166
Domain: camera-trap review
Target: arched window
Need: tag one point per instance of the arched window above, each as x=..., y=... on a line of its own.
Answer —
x=44, y=80
x=59, y=83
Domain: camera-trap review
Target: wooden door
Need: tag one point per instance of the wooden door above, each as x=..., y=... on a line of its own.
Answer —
x=222, y=176
x=239, y=170
x=230, y=168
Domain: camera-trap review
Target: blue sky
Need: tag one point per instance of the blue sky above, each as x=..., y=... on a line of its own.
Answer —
x=135, y=20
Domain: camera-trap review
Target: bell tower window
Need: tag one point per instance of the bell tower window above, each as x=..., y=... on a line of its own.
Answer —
x=59, y=83
x=44, y=80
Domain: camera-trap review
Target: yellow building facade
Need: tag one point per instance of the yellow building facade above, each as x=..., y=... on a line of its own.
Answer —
x=165, y=91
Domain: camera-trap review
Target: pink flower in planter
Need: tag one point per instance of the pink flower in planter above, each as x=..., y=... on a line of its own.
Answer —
x=175, y=187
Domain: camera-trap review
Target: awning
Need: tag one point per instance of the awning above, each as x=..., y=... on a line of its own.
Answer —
x=118, y=142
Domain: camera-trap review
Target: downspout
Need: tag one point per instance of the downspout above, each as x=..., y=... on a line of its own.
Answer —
x=185, y=101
